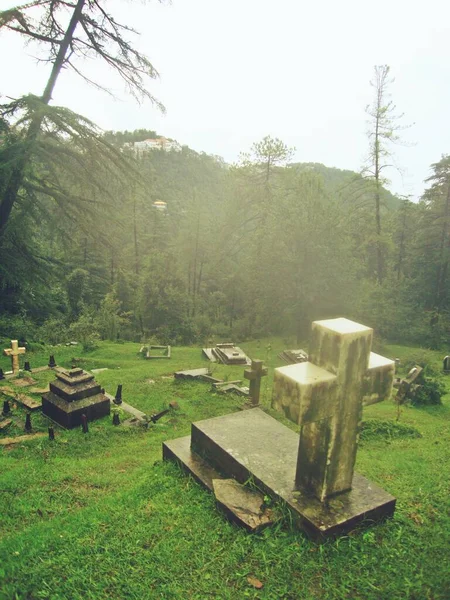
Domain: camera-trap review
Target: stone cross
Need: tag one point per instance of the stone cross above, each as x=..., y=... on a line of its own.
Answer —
x=255, y=374
x=14, y=352
x=325, y=396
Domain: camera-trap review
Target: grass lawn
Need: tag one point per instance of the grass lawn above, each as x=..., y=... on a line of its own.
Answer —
x=100, y=516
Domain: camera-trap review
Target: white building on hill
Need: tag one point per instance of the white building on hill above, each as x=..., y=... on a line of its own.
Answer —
x=155, y=144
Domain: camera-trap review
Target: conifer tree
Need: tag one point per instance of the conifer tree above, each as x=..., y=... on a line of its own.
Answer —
x=69, y=31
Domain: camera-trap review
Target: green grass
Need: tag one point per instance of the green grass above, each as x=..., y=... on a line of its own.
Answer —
x=100, y=516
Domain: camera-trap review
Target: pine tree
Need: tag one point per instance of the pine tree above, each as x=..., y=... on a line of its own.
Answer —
x=91, y=30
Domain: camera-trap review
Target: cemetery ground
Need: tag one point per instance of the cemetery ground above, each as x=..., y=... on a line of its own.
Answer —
x=101, y=516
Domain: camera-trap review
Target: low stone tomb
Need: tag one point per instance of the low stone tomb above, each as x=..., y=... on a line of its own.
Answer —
x=227, y=354
x=313, y=471
x=154, y=352
x=73, y=394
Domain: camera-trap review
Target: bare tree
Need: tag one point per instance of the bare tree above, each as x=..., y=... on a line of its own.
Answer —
x=383, y=131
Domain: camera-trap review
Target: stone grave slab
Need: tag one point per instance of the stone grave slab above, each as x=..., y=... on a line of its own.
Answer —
x=313, y=471
x=192, y=373
x=6, y=389
x=5, y=423
x=40, y=390
x=242, y=505
x=28, y=402
x=20, y=438
x=253, y=444
x=74, y=393
x=23, y=381
x=227, y=354
x=294, y=356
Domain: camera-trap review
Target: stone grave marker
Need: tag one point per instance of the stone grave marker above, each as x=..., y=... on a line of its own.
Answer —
x=254, y=375
x=313, y=472
x=14, y=352
x=227, y=354
x=446, y=364
x=73, y=394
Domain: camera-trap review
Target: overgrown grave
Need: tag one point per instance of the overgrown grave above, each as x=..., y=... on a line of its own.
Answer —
x=419, y=389
x=312, y=473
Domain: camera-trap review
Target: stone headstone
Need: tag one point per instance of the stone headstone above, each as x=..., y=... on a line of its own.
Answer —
x=74, y=393
x=446, y=364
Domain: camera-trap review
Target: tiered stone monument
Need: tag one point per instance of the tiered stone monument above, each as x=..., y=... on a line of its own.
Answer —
x=313, y=473
x=74, y=393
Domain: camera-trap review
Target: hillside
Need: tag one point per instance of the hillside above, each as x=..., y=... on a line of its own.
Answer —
x=348, y=184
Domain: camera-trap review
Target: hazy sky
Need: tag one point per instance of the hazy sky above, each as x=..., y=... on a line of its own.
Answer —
x=234, y=71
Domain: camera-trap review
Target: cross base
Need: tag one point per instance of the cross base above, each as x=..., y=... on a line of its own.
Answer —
x=251, y=444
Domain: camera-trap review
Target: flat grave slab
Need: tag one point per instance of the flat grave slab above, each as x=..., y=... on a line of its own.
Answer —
x=242, y=505
x=28, y=402
x=20, y=438
x=23, y=381
x=5, y=423
x=253, y=444
x=192, y=373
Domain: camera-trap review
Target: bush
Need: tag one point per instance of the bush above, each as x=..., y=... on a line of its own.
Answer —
x=54, y=331
x=429, y=393
x=15, y=327
x=376, y=429
x=85, y=330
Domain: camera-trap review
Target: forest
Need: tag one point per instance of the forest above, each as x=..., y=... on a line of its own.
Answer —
x=238, y=251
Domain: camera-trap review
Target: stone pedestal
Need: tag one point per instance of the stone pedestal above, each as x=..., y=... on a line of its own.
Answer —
x=252, y=445
x=73, y=394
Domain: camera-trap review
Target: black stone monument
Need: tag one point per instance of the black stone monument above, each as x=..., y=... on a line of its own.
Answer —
x=74, y=393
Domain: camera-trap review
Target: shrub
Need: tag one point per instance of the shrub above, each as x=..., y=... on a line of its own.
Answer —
x=429, y=393
x=85, y=330
x=376, y=429
x=53, y=331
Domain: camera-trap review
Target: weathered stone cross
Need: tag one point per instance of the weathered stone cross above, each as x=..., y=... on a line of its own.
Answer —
x=255, y=374
x=14, y=352
x=325, y=396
